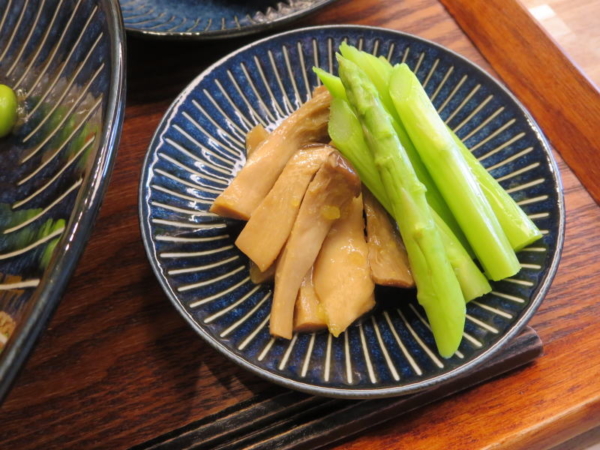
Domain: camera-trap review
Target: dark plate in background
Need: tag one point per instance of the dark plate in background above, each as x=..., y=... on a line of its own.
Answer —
x=66, y=61
x=211, y=19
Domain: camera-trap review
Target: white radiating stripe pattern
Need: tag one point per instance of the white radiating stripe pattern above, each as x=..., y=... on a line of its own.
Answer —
x=58, y=77
x=202, y=150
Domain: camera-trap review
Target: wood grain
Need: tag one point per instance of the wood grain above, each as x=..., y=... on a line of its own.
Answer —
x=119, y=366
x=295, y=421
x=562, y=100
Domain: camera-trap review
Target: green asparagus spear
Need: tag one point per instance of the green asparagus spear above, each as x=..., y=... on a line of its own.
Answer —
x=452, y=175
x=434, y=197
x=346, y=133
x=347, y=136
x=379, y=73
x=438, y=290
x=473, y=283
x=375, y=69
x=519, y=229
x=332, y=83
x=385, y=62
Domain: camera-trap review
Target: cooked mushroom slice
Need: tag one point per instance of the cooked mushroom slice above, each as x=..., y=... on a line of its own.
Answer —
x=334, y=185
x=307, y=315
x=259, y=277
x=254, y=138
x=306, y=125
x=265, y=234
x=342, y=276
x=387, y=255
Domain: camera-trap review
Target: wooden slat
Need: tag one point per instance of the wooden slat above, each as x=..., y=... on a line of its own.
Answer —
x=561, y=98
x=294, y=421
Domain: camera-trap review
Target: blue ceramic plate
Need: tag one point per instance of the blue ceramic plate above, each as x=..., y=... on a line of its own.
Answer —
x=211, y=19
x=198, y=148
x=65, y=59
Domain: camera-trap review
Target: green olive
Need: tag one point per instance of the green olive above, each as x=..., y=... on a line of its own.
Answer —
x=8, y=109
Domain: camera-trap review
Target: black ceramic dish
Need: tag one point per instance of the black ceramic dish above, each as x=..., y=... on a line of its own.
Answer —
x=66, y=61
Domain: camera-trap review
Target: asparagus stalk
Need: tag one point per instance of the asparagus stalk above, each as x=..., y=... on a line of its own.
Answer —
x=347, y=136
x=379, y=73
x=438, y=290
x=332, y=83
x=346, y=133
x=519, y=229
x=473, y=283
x=452, y=175
x=376, y=70
x=434, y=197
x=386, y=62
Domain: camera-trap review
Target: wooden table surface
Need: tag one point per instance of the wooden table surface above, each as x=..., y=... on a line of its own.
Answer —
x=118, y=365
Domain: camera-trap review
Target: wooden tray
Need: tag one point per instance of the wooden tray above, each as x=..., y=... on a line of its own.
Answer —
x=118, y=366
x=283, y=419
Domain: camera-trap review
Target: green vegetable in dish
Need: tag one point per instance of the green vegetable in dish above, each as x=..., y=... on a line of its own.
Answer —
x=376, y=70
x=47, y=229
x=346, y=133
x=452, y=175
x=519, y=229
x=347, y=136
x=438, y=290
x=473, y=283
x=332, y=83
x=382, y=121
x=379, y=73
x=24, y=228
x=434, y=197
x=8, y=110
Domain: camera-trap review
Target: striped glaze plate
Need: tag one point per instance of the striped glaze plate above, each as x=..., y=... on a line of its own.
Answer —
x=198, y=148
x=65, y=60
x=212, y=19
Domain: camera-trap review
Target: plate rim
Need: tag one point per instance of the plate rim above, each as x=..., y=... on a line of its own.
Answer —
x=227, y=33
x=48, y=294
x=334, y=392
